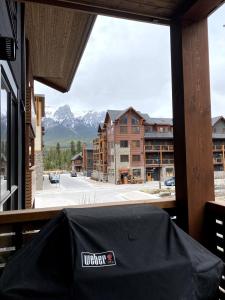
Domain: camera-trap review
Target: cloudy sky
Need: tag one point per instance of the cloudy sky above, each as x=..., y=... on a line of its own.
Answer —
x=127, y=63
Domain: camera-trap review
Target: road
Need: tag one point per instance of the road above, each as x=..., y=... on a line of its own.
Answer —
x=82, y=190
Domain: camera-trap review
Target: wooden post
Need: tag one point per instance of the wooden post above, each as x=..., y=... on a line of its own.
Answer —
x=192, y=124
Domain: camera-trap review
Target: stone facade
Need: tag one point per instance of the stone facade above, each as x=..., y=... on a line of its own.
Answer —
x=39, y=166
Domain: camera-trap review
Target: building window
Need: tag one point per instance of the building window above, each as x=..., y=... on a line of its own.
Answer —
x=123, y=129
x=123, y=120
x=134, y=120
x=136, y=144
x=5, y=95
x=148, y=129
x=124, y=158
x=123, y=144
x=135, y=129
x=9, y=144
x=136, y=157
x=137, y=172
x=161, y=129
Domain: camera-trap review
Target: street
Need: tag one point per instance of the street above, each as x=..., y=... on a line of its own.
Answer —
x=82, y=190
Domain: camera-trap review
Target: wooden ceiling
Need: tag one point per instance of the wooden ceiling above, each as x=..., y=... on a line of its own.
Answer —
x=57, y=38
x=58, y=30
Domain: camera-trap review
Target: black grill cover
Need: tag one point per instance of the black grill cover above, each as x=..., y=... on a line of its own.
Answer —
x=117, y=253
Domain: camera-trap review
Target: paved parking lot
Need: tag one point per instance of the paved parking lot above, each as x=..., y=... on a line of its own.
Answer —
x=82, y=190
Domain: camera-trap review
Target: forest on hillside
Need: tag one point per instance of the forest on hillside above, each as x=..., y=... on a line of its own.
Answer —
x=59, y=158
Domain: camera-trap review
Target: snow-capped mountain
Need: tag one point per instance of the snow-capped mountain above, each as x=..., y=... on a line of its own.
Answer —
x=62, y=126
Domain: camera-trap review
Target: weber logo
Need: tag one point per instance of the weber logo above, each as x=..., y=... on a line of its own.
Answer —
x=104, y=259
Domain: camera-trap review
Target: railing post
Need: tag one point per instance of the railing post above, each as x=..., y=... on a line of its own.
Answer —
x=192, y=124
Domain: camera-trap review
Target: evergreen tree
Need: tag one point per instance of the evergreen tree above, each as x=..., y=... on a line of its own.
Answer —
x=79, y=147
x=58, y=148
x=72, y=148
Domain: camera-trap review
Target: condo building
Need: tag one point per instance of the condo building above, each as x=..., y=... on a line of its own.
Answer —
x=131, y=147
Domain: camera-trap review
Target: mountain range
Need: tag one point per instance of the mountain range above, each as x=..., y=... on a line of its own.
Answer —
x=63, y=127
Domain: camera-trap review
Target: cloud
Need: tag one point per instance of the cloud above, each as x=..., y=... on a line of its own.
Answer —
x=127, y=63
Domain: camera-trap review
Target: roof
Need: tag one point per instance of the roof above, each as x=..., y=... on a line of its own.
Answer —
x=159, y=121
x=155, y=11
x=57, y=38
x=79, y=155
x=216, y=119
x=218, y=136
x=116, y=114
x=58, y=30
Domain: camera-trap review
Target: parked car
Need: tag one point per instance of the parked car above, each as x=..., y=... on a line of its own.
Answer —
x=54, y=178
x=73, y=173
x=170, y=181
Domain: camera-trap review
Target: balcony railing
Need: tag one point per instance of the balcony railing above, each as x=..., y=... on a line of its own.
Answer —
x=18, y=227
x=159, y=162
x=218, y=147
x=218, y=160
x=159, y=148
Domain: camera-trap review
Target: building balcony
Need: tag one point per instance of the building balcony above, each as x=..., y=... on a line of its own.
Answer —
x=218, y=148
x=158, y=162
x=17, y=228
x=159, y=148
x=218, y=160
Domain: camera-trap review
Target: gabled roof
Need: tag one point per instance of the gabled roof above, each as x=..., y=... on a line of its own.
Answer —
x=216, y=119
x=116, y=114
x=76, y=156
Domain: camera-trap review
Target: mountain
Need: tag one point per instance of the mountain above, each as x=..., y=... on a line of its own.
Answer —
x=63, y=126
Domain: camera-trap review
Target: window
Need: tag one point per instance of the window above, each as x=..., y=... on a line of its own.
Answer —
x=137, y=172
x=134, y=120
x=135, y=129
x=123, y=144
x=161, y=129
x=136, y=157
x=8, y=143
x=123, y=120
x=136, y=144
x=123, y=129
x=5, y=95
x=124, y=158
x=148, y=129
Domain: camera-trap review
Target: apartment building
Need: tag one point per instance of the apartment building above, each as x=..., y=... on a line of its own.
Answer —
x=76, y=162
x=131, y=147
x=87, y=162
x=39, y=140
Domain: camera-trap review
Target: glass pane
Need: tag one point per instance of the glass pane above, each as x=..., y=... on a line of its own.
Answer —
x=4, y=145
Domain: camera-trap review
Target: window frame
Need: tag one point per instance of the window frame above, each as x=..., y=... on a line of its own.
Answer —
x=124, y=161
x=10, y=199
x=121, y=144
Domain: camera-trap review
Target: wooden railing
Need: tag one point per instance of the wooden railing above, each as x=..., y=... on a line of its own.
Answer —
x=215, y=235
x=18, y=227
x=159, y=148
x=218, y=147
x=159, y=162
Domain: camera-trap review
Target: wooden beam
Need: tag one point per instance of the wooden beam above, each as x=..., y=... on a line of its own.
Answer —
x=40, y=214
x=200, y=9
x=104, y=9
x=192, y=124
x=189, y=10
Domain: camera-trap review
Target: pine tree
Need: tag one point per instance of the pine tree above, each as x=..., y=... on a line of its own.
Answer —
x=72, y=148
x=79, y=147
x=58, y=148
